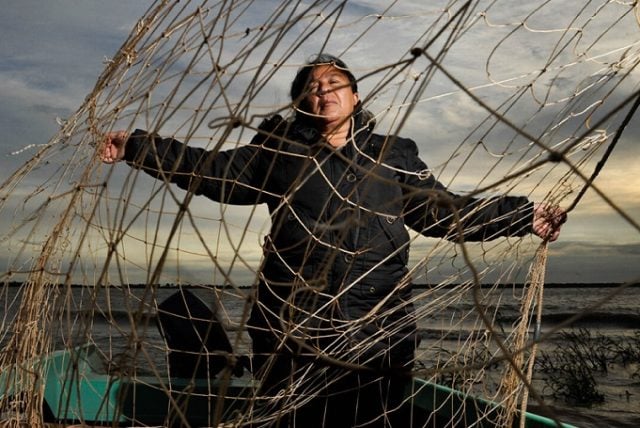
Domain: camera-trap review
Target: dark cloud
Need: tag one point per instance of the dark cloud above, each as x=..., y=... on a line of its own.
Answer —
x=589, y=262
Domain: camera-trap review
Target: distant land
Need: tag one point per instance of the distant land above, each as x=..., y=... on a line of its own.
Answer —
x=417, y=286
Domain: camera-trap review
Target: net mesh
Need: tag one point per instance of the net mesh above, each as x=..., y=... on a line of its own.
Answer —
x=97, y=248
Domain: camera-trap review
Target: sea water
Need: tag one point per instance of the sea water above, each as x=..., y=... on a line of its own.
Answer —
x=120, y=320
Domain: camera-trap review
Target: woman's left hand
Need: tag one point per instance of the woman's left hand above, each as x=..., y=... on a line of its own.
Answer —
x=547, y=220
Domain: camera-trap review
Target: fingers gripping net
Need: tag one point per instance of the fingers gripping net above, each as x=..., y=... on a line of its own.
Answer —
x=535, y=101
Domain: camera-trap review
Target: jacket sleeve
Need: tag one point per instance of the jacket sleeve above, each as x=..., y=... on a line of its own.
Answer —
x=434, y=211
x=233, y=176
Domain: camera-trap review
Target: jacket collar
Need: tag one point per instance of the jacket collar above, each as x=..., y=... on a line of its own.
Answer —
x=362, y=127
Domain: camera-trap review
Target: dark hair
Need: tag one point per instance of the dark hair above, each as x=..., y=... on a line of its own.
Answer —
x=301, y=80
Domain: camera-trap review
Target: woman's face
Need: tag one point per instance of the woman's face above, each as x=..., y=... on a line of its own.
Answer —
x=330, y=98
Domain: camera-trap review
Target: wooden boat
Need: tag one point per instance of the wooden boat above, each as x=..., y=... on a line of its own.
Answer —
x=75, y=391
x=77, y=388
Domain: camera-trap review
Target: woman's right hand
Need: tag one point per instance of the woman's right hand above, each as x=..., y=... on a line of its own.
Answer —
x=113, y=146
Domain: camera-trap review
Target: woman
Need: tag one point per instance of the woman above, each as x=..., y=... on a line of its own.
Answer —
x=333, y=305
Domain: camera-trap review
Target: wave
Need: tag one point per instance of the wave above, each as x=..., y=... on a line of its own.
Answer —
x=113, y=315
x=617, y=324
x=594, y=319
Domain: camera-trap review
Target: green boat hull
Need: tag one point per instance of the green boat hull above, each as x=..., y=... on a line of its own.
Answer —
x=76, y=391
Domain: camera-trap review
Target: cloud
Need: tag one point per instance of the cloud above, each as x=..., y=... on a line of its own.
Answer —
x=585, y=262
x=50, y=58
x=53, y=52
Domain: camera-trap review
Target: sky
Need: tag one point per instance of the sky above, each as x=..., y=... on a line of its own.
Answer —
x=53, y=52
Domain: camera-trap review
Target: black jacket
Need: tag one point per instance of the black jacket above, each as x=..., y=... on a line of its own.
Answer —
x=338, y=221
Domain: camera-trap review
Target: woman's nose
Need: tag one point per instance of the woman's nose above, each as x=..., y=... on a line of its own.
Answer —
x=322, y=88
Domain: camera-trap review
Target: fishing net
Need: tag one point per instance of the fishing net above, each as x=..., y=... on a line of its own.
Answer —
x=501, y=98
